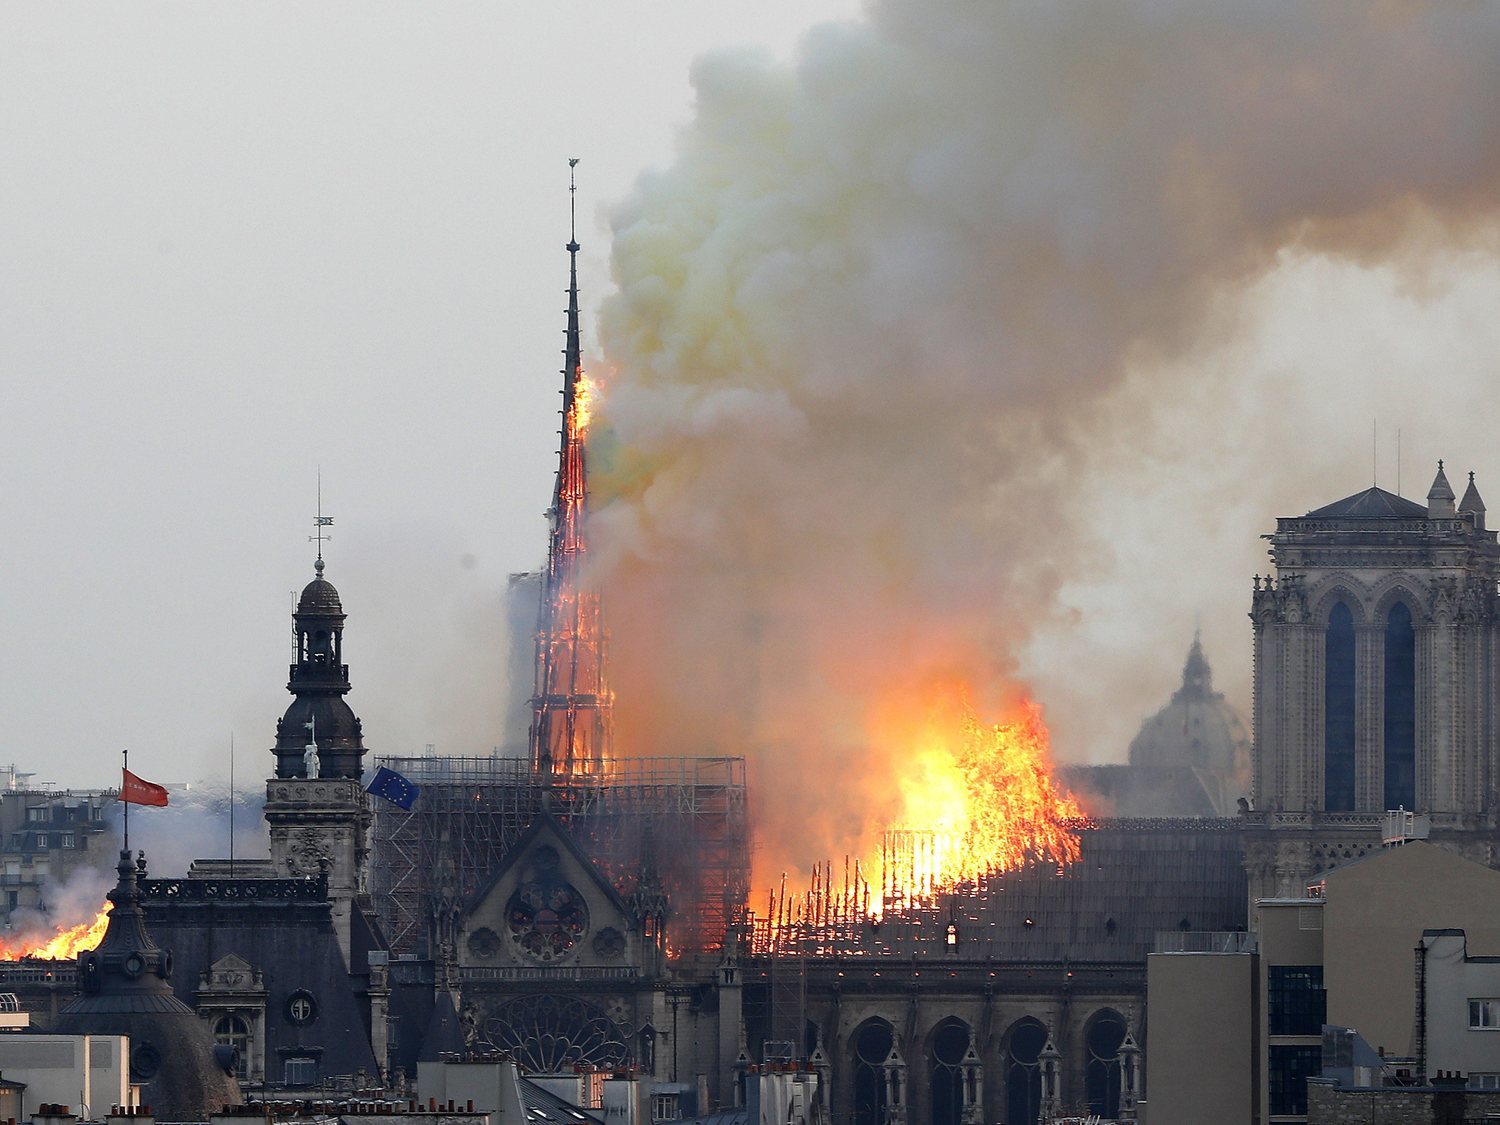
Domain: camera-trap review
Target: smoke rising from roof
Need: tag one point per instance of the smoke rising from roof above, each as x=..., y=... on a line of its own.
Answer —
x=880, y=321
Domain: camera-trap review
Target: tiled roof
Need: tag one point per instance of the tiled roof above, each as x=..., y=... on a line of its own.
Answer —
x=1372, y=503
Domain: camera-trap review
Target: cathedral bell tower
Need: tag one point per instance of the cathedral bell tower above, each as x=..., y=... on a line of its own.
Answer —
x=1377, y=678
x=317, y=810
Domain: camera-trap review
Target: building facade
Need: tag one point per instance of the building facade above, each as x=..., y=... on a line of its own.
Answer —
x=1376, y=681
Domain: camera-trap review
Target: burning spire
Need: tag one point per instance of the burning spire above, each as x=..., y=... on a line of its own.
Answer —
x=571, y=708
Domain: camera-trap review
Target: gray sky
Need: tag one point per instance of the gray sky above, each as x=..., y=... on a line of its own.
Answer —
x=242, y=241
x=239, y=243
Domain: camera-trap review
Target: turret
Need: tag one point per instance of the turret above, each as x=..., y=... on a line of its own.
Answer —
x=319, y=719
x=125, y=989
x=1440, y=497
x=1472, y=506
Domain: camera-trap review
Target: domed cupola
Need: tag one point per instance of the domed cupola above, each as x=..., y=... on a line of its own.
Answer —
x=1198, y=730
x=124, y=988
x=318, y=716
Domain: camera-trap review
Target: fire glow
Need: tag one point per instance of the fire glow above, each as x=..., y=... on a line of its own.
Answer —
x=582, y=411
x=978, y=799
x=61, y=946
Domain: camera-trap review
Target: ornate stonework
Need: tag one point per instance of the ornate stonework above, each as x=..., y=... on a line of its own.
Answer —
x=1376, y=682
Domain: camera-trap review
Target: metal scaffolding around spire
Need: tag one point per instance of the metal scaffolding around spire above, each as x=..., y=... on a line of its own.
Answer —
x=572, y=705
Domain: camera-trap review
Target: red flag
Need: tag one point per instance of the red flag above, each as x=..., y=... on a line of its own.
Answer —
x=134, y=791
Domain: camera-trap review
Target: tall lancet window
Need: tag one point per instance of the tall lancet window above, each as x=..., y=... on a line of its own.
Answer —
x=1338, y=710
x=1400, y=709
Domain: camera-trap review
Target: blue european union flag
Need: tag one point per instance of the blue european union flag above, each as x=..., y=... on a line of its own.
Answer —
x=393, y=787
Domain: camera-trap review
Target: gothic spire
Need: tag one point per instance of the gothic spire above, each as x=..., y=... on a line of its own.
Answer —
x=572, y=705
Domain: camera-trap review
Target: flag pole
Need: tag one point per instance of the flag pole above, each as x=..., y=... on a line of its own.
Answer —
x=123, y=801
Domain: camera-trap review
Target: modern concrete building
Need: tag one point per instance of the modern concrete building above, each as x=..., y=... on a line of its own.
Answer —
x=1341, y=954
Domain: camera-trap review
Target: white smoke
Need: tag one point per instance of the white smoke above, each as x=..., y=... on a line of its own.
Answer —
x=196, y=825
x=904, y=318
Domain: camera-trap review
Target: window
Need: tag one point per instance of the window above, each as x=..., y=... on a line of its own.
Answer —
x=1289, y=1070
x=1023, y=1072
x=1400, y=710
x=664, y=1107
x=1295, y=1001
x=1484, y=1013
x=36, y=814
x=300, y=1072
x=1478, y=1081
x=67, y=840
x=1338, y=710
x=950, y=1043
x=234, y=1032
x=1106, y=1031
x=872, y=1046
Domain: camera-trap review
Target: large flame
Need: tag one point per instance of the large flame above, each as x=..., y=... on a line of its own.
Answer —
x=61, y=946
x=976, y=799
x=973, y=800
x=583, y=405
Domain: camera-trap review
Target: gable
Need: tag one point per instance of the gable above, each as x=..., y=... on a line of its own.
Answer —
x=548, y=906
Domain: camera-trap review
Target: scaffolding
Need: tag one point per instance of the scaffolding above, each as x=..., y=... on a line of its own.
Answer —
x=679, y=821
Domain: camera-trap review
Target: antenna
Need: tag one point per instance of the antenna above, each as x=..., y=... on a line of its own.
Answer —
x=231, y=804
x=1398, y=460
x=1374, y=452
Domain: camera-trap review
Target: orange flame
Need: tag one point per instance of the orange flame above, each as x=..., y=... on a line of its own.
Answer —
x=977, y=800
x=61, y=946
x=973, y=800
x=583, y=404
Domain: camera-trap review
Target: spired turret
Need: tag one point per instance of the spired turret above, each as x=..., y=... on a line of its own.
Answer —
x=317, y=812
x=125, y=989
x=319, y=716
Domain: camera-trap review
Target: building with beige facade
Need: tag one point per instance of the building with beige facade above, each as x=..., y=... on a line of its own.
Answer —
x=1237, y=1032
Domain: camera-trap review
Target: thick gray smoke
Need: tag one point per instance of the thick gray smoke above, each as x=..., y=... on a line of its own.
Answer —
x=903, y=319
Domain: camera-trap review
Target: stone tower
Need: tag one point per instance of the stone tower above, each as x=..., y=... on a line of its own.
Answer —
x=1376, y=681
x=317, y=810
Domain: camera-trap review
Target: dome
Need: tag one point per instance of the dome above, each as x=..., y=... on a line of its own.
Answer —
x=319, y=596
x=1198, y=729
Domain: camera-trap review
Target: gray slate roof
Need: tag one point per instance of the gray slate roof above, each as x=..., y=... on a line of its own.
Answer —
x=1372, y=503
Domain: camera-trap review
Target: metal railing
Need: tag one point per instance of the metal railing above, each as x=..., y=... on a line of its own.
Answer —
x=1204, y=941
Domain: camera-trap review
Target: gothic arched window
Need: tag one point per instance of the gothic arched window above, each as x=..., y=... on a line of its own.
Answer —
x=1338, y=710
x=1106, y=1031
x=1023, y=1074
x=872, y=1046
x=1400, y=709
x=950, y=1042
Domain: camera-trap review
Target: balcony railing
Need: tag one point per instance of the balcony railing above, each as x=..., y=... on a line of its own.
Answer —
x=1204, y=941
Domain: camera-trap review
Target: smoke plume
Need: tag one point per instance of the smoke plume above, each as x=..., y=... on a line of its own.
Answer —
x=878, y=322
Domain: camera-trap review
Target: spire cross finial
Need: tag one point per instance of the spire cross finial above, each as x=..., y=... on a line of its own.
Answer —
x=572, y=203
x=320, y=521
